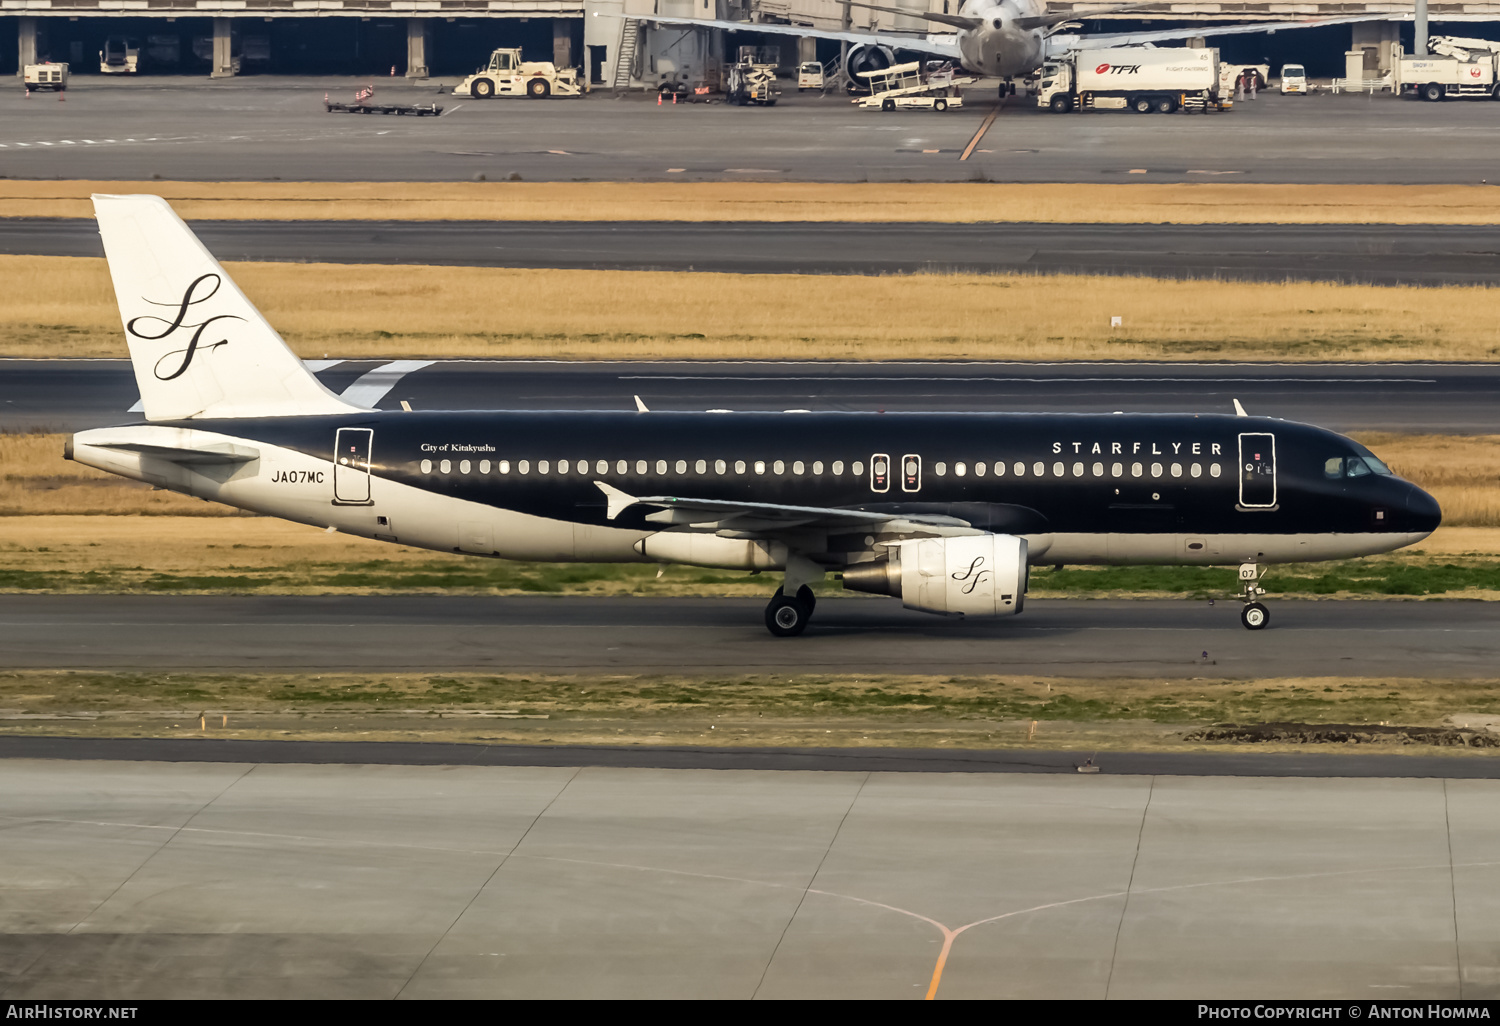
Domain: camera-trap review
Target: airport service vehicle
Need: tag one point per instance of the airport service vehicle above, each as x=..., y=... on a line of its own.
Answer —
x=907, y=87
x=1456, y=67
x=748, y=83
x=508, y=75
x=1145, y=79
x=46, y=75
x=1293, y=79
x=365, y=103
x=809, y=75
x=120, y=56
x=944, y=511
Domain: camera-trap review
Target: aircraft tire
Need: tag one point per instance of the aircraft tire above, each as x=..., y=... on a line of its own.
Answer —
x=786, y=617
x=1255, y=617
x=808, y=599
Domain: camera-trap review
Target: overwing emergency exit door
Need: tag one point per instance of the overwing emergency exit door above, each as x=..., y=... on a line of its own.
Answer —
x=1257, y=471
x=351, y=466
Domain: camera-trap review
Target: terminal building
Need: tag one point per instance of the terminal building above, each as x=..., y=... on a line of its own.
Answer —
x=613, y=41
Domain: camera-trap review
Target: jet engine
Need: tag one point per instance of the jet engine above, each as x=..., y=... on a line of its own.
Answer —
x=868, y=57
x=972, y=575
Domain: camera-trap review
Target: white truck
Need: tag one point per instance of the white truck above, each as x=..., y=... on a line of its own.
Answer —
x=120, y=56
x=46, y=75
x=909, y=87
x=507, y=75
x=1146, y=79
x=809, y=76
x=1456, y=67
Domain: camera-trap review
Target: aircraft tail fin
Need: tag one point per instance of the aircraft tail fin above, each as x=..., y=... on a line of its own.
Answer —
x=199, y=347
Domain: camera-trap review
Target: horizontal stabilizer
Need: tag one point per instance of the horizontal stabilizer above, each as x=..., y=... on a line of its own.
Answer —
x=225, y=452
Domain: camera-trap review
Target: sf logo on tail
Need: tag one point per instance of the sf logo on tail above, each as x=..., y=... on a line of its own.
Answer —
x=190, y=298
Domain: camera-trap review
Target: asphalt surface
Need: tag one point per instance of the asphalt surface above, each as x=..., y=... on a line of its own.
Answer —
x=847, y=760
x=70, y=395
x=275, y=128
x=140, y=880
x=1369, y=253
x=637, y=635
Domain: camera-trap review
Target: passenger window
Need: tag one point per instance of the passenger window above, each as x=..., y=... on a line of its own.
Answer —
x=838, y=467
x=1156, y=470
x=798, y=468
x=602, y=467
x=682, y=466
x=661, y=466
x=1136, y=470
x=760, y=466
x=1117, y=470
x=1213, y=470
x=817, y=467
x=1020, y=469
x=979, y=470
x=1039, y=468
x=857, y=468
x=1058, y=470
x=562, y=467
x=1197, y=470
x=621, y=466
x=1000, y=468
x=1177, y=470
x=426, y=466
x=524, y=467
x=463, y=466
x=503, y=466
x=484, y=466
x=701, y=467
x=542, y=466
x=1078, y=470
x=779, y=467
x=720, y=466
x=1333, y=469
x=960, y=469
x=445, y=466
x=940, y=469
x=640, y=466
x=739, y=466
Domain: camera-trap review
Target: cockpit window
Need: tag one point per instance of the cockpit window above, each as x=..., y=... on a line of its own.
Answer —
x=1353, y=466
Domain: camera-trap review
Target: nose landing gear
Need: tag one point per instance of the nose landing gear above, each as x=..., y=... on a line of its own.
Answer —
x=1254, y=616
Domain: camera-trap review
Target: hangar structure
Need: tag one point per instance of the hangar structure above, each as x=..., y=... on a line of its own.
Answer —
x=614, y=41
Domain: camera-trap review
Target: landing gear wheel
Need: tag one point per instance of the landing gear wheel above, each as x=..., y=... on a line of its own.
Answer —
x=1255, y=616
x=1143, y=105
x=787, y=617
x=808, y=599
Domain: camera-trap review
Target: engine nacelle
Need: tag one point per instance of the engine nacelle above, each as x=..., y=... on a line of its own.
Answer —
x=973, y=575
x=869, y=57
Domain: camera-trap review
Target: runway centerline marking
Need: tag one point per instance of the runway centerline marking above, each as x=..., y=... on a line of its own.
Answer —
x=989, y=119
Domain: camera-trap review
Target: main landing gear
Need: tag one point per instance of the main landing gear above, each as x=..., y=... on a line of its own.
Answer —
x=1254, y=616
x=786, y=617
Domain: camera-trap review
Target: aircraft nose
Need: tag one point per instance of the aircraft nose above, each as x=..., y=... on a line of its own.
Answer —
x=1422, y=510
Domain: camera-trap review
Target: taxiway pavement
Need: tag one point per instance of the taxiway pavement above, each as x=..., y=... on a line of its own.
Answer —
x=1101, y=638
x=70, y=395
x=136, y=880
x=1368, y=253
x=267, y=128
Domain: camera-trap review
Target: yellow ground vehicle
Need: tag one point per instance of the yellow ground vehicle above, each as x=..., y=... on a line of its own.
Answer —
x=508, y=75
x=45, y=76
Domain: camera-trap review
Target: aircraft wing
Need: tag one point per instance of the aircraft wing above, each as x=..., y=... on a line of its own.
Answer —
x=917, y=44
x=1103, y=39
x=769, y=518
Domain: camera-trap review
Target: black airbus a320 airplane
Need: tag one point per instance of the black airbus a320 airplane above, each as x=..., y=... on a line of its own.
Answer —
x=944, y=511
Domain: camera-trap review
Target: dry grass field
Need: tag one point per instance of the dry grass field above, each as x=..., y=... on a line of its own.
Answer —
x=815, y=710
x=64, y=306
x=775, y=201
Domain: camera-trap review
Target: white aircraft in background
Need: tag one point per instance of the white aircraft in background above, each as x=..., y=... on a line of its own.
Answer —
x=999, y=38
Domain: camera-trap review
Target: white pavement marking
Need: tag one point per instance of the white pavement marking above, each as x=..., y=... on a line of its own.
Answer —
x=372, y=387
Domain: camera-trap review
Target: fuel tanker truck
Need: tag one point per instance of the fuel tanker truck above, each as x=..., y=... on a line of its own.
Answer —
x=1145, y=79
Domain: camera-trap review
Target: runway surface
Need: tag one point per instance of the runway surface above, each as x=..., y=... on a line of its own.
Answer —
x=1370, y=253
x=685, y=757
x=137, y=880
x=629, y=635
x=70, y=395
x=268, y=128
